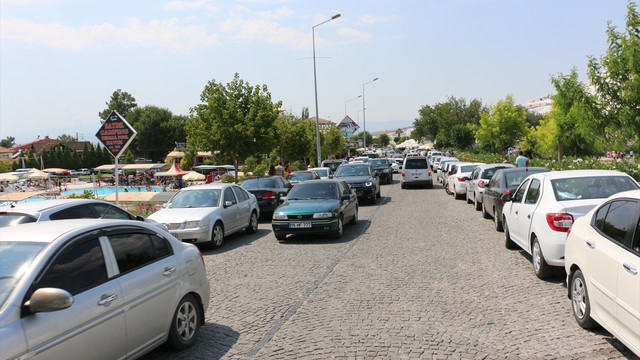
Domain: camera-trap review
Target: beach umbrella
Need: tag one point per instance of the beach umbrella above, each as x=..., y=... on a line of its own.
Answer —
x=193, y=176
x=36, y=174
x=9, y=177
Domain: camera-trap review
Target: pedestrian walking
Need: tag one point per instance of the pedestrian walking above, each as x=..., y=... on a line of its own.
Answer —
x=522, y=161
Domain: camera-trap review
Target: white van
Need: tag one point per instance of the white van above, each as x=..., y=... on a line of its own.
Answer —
x=417, y=172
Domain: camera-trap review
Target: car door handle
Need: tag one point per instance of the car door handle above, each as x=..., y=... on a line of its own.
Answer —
x=516, y=212
x=168, y=271
x=591, y=244
x=107, y=299
x=529, y=217
x=630, y=269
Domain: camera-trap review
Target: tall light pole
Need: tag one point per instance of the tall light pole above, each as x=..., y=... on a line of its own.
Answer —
x=345, y=104
x=315, y=82
x=364, y=120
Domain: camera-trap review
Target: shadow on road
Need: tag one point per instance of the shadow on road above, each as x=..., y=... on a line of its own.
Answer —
x=213, y=342
x=235, y=241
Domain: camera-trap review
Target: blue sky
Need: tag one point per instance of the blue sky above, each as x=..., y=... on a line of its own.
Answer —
x=60, y=60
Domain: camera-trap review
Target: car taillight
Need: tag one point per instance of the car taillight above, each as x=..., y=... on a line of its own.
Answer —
x=429, y=173
x=402, y=173
x=507, y=192
x=460, y=179
x=269, y=195
x=560, y=221
x=481, y=184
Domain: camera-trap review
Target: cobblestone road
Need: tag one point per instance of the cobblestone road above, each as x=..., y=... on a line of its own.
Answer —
x=421, y=276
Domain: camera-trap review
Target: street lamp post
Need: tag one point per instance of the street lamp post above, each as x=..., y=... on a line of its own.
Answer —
x=345, y=103
x=364, y=120
x=315, y=82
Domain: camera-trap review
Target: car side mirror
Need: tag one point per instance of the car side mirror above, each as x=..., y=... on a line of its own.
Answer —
x=49, y=299
x=346, y=197
x=505, y=197
x=283, y=199
x=140, y=218
x=228, y=203
x=466, y=178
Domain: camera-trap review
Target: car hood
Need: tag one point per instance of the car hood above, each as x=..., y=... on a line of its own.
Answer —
x=302, y=207
x=181, y=214
x=355, y=179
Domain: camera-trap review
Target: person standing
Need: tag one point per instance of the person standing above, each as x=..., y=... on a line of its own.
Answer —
x=280, y=170
x=521, y=160
x=272, y=170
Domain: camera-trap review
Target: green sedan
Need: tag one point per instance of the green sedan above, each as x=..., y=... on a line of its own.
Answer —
x=316, y=207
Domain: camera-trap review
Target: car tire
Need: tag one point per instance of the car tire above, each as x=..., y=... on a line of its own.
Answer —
x=403, y=186
x=378, y=194
x=252, y=228
x=338, y=233
x=217, y=235
x=446, y=188
x=485, y=214
x=469, y=201
x=476, y=203
x=354, y=219
x=186, y=323
x=281, y=237
x=496, y=221
x=540, y=266
x=508, y=243
x=580, y=301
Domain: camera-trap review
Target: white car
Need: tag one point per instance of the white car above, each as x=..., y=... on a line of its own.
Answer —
x=394, y=165
x=602, y=260
x=323, y=172
x=208, y=213
x=97, y=289
x=457, y=180
x=440, y=168
x=538, y=215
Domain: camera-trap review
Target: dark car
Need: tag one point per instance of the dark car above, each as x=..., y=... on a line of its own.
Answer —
x=362, y=179
x=268, y=191
x=382, y=167
x=503, y=181
x=298, y=176
x=316, y=207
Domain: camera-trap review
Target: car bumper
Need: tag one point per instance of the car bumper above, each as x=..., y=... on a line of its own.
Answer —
x=317, y=226
x=267, y=205
x=193, y=236
x=364, y=193
x=413, y=182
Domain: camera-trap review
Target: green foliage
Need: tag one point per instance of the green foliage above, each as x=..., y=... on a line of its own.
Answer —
x=228, y=179
x=237, y=118
x=129, y=158
x=361, y=135
x=158, y=131
x=333, y=142
x=437, y=122
x=65, y=138
x=8, y=142
x=294, y=138
x=87, y=194
x=503, y=126
x=5, y=166
x=462, y=136
x=121, y=101
x=384, y=140
x=250, y=164
x=616, y=77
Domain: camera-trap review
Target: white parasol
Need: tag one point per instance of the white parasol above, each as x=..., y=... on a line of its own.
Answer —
x=9, y=177
x=193, y=175
x=37, y=175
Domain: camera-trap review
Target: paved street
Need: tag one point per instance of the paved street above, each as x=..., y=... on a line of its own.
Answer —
x=420, y=276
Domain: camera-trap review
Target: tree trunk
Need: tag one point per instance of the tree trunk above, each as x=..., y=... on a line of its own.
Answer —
x=560, y=150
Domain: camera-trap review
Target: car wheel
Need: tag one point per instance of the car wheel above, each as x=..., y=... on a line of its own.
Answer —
x=580, y=301
x=508, y=243
x=378, y=194
x=446, y=188
x=403, y=186
x=281, y=237
x=253, y=223
x=185, y=324
x=485, y=214
x=390, y=179
x=496, y=221
x=540, y=266
x=338, y=233
x=354, y=219
x=476, y=203
x=217, y=235
x=469, y=201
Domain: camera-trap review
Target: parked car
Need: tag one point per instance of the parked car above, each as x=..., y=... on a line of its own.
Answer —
x=323, y=172
x=208, y=213
x=316, y=207
x=268, y=192
x=479, y=177
x=457, y=180
x=97, y=289
x=416, y=172
x=445, y=169
x=395, y=167
x=383, y=168
x=435, y=162
x=540, y=212
x=441, y=168
x=399, y=159
x=297, y=176
x=361, y=159
x=504, y=181
x=602, y=261
x=332, y=164
x=61, y=209
x=362, y=179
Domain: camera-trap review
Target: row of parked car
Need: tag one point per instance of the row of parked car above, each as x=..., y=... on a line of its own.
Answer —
x=586, y=222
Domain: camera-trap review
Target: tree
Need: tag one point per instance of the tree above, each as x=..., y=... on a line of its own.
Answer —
x=305, y=113
x=502, y=126
x=360, y=136
x=237, y=119
x=121, y=101
x=462, y=136
x=129, y=158
x=332, y=143
x=384, y=140
x=65, y=138
x=616, y=77
x=158, y=131
x=294, y=138
x=9, y=142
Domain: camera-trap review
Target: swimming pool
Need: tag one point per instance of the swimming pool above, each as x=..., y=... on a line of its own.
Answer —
x=100, y=191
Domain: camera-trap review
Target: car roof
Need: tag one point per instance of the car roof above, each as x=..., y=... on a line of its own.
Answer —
x=207, y=186
x=42, y=205
x=564, y=174
x=633, y=194
x=355, y=164
x=497, y=165
x=319, y=168
x=519, y=169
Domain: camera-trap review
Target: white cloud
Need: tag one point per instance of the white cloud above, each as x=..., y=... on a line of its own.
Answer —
x=353, y=35
x=370, y=19
x=169, y=35
x=180, y=5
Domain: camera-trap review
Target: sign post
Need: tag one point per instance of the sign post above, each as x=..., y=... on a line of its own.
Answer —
x=116, y=134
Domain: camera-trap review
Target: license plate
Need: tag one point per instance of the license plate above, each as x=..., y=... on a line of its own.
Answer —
x=301, y=225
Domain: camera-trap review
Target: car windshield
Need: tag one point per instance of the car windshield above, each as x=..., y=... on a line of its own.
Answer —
x=302, y=176
x=15, y=258
x=196, y=198
x=313, y=190
x=260, y=183
x=352, y=171
x=12, y=219
x=593, y=187
x=379, y=162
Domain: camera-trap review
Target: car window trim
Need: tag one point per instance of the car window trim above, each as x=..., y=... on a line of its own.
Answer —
x=628, y=242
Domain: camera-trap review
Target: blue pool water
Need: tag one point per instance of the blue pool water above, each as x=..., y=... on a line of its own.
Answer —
x=101, y=191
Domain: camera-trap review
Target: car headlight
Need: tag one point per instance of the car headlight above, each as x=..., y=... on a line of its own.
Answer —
x=322, y=215
x=279, y=216
x=191, y=224
x=368, y=183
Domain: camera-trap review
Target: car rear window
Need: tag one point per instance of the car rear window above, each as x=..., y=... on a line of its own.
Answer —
x=417, y=163
x=593, y=187
x=259, y=183
x=11, y=219
x=468, y=168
